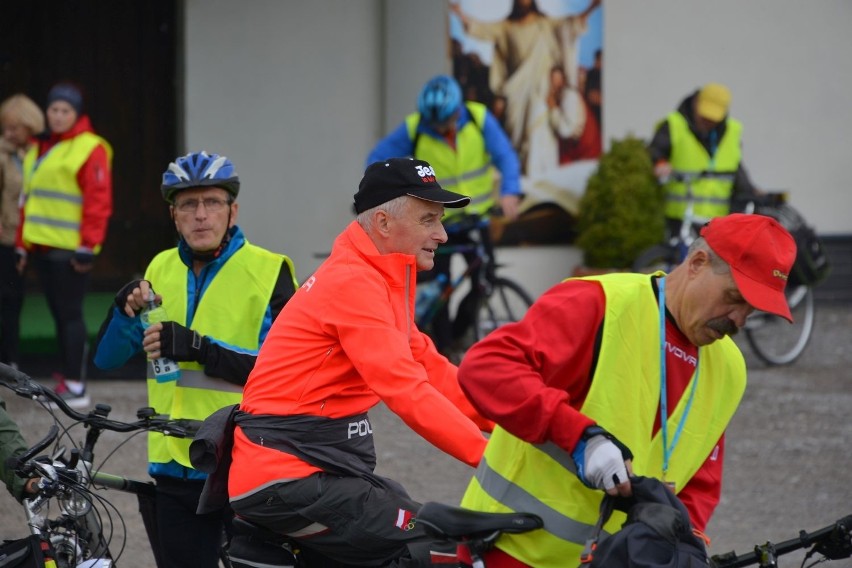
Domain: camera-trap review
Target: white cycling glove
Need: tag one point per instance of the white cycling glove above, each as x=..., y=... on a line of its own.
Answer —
x=600, y=458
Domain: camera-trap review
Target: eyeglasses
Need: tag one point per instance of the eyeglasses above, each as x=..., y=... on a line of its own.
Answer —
x=211, y=205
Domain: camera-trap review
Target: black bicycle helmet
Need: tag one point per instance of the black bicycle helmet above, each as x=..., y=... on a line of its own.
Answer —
x=199, y=169
x=439, y=99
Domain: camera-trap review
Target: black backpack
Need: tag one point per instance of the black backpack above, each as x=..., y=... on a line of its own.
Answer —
x=812, y=265
x=657, y=533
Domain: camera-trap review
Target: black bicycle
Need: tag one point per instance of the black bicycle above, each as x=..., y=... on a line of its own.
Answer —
x=772, y=338
x=496, y=301
x=68, y=513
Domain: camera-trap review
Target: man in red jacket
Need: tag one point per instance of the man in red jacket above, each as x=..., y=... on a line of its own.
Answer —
x=303, y=455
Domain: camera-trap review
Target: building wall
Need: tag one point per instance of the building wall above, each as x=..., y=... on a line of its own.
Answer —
x=296, y=93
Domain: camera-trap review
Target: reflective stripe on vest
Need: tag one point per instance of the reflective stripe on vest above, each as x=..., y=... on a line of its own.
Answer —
x=712, y=197
x=53, y=206
x=467, y=168
x=231, y=310
x=518, y=476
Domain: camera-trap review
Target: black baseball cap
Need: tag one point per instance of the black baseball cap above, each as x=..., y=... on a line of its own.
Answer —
x=395, y=177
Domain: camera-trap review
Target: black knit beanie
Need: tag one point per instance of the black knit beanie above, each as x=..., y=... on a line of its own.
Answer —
x=68, y=93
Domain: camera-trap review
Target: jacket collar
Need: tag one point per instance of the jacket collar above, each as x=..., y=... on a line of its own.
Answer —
x=236, y=241
x=391, y=266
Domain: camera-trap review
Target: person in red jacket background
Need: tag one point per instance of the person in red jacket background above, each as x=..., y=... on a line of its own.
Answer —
x=67, y=205
x=303, y=454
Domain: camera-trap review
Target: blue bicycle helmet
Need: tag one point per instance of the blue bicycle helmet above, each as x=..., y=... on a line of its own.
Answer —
x=439, y=99
x=199, y=169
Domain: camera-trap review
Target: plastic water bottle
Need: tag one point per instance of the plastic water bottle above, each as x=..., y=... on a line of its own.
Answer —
x=426, y=295
x=165, y=370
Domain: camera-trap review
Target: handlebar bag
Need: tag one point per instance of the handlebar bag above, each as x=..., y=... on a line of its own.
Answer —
x=657, y=533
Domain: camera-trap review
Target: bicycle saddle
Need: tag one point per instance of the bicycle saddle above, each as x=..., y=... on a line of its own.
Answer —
x=456, y=523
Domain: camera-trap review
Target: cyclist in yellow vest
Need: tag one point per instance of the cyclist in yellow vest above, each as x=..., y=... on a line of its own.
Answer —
x=67, y=206
x=221, y=294
x=700, y=136
x=464, y=143
x=581, y=378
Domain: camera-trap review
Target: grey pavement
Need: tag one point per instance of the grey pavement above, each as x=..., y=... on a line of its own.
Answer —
x=788, y=464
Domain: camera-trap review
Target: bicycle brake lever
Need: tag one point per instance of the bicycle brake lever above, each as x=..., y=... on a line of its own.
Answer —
x=838, y=543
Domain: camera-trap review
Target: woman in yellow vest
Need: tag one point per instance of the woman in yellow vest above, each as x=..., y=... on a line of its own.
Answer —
x=20, y=120
x=67, y=205
x=601, y=364
x=221, y=294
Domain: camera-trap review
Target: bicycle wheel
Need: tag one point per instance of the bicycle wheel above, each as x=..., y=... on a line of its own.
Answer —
x=658, y=257
x=776, y=341
x=507, y=302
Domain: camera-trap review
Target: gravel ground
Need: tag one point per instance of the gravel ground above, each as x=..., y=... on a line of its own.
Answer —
x=787, y=468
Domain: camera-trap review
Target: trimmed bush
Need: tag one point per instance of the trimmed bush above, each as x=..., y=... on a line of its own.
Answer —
x=621, y=211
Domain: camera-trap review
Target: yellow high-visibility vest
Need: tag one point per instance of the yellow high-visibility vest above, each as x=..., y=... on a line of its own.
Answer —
x=466, y=169
x=624, y=397
x=53, y=206
x=231, y=310
x=712, y=197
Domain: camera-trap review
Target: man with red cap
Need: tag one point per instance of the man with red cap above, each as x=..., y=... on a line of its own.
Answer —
x=615, y=375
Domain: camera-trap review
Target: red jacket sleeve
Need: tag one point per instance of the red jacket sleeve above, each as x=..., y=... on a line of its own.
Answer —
x=95, y=179
x=531, y=377
x=443, y=375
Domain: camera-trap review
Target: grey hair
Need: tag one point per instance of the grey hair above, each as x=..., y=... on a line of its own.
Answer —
x=718, y=265
x=394, y=208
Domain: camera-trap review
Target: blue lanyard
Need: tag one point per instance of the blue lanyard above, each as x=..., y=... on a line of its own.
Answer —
x=664, y=407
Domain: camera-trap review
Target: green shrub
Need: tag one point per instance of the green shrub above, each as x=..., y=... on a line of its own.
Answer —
x=621, y=211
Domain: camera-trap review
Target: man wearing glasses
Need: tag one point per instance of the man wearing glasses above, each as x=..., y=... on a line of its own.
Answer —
x=221, y=294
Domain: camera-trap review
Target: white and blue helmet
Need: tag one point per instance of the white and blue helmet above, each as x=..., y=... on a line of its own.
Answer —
x=199, y=169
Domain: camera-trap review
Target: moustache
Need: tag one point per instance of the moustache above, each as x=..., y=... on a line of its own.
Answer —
x=723, y=325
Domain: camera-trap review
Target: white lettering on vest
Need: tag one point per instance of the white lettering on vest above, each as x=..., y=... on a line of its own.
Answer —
x=361, y=428
x=681, y=354
x=308, y=283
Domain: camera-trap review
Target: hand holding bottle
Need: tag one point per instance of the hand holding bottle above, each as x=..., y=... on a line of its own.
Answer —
x=154, y=313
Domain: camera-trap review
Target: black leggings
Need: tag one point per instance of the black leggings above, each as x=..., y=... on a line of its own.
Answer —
x=64, y=290
x=11, y=302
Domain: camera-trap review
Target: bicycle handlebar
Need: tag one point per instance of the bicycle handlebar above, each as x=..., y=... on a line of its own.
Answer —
x=833, y=542
x=464, y=222
x=23, y=385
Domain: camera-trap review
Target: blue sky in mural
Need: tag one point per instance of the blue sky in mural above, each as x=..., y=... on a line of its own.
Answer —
x=493, y=10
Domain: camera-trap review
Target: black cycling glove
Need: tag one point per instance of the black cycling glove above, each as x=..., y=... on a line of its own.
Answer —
x=180, y=343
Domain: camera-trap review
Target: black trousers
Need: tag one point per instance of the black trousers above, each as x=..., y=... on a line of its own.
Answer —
x=186, y=539
x=11, y=303
x=64, y=290
x=366, y=525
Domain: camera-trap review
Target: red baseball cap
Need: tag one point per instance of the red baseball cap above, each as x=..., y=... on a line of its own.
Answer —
x=760, y=253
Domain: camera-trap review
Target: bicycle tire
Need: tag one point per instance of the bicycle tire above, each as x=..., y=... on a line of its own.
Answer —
x=657, y=257
x=773, y=339
x=506, y=302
